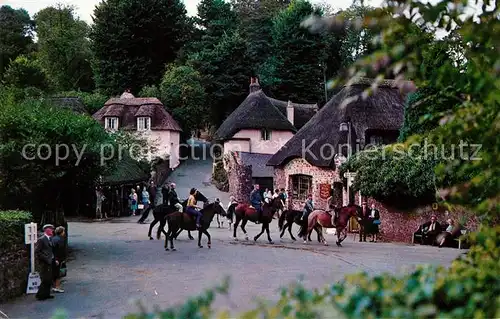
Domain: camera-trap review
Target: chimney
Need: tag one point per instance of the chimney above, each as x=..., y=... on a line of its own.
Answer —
x=254, y=84
x=290, y=112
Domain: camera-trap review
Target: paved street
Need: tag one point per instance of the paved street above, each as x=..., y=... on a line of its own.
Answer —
x=115, y=264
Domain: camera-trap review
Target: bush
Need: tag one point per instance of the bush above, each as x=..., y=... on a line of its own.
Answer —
x=12, y=227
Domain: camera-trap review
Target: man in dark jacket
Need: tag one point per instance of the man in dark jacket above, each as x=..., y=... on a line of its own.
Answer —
x=45, y=257
x=174, y=199
x=308, y=207
x=165, y=190
x=430, y=230
x=256, y=200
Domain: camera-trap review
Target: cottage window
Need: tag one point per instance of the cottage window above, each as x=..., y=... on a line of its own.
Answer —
x=111, y=123
x=301, y=186
x=143, y=123
x=265, y=134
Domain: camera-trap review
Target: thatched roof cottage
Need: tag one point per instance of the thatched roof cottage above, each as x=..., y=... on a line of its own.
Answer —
x=308, y=162
x=144, y=116
x=258, y=128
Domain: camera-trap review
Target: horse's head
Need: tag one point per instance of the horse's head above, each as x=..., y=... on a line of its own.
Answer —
x=200, y=197
x=210, y=209
x=277, y=204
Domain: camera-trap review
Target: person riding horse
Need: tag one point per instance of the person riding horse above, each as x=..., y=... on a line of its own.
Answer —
x=308, y=207
x=174, y=199
x=256, y=200
x=191, y=207
x=332, y=207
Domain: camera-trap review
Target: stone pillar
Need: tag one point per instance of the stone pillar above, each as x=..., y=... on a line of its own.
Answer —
x=240, y=179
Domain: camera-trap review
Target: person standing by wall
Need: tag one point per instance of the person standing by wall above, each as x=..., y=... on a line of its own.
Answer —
x=59, y=250
x=45, y=256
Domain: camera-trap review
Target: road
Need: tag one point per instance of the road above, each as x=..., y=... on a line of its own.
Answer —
x=115, y=265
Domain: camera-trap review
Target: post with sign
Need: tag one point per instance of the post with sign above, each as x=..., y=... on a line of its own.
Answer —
x=30, y=238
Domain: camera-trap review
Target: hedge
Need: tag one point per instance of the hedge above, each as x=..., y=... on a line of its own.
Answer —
x=469, y=288
x=12, y=227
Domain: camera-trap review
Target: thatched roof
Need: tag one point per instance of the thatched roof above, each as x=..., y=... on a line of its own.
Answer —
x=129, y=108
x=383, y=110
x=259, y=111
x=72, y=103
x=128, y=171
x=255, y=112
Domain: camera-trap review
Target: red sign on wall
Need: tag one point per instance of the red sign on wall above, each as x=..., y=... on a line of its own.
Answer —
x=324, y=191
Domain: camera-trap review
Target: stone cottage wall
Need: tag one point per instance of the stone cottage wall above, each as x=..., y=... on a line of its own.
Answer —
x=398, y=226
x=14, y=270
x=282, y=176
x=239, y=177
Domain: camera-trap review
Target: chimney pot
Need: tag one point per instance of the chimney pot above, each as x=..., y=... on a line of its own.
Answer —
x=254, y=84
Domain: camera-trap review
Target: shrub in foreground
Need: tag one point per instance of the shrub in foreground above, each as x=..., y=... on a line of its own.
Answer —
x=12, y=227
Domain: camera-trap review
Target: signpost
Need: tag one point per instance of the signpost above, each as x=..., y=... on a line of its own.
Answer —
x=350, y=179
x=30, y=238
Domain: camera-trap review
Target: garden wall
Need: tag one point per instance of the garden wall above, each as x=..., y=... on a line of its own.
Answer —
x=14, y=254
x=399, y=226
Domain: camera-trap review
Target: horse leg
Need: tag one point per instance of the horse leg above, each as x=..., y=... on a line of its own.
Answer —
x=338, y=238
x=151, y=228
x=290, y=231
x=218, y=221
x=189, y=234
x=161, y=229
x=261, y=232
x=209, y=244
x=199, y=239
x=243, y=224
x=235, y=227
x=283, y=230
x=323, y=234
x=268, y=234
x=309, y=235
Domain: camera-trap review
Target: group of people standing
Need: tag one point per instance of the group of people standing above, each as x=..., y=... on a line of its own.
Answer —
x=50, y=251
x=142, y=199
x=257, y=198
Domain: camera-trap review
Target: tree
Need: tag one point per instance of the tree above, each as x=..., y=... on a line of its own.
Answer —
x=225, y=75
x=298, y=55
x=255, y=26
x=183, y=93
x=16, y=35
x=24, y=72
x=64, y=49
x=133, y=40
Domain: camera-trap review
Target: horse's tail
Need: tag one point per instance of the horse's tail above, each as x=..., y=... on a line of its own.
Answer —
x=281, y=220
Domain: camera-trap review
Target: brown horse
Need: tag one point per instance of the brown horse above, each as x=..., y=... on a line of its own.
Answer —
x=245, y=212
x=183, y=221
x=323, y=219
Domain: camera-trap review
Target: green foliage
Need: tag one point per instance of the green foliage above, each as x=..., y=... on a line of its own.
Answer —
x=12, y=227
x=150, y=91
x=64, y=49
x=25, y=72
x=132, y=40
x=182, y=92
x=16, y=35
x=93, y=101
x=24, y=126
x=298, y=55
x=394, y=174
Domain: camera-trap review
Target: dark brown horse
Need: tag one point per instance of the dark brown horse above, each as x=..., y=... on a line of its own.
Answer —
x=183, y=221
x=290, y=216
x=161, y=212
x=323, y=219
x=245, y=213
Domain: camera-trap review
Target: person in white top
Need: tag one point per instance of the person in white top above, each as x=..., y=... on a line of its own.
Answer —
x=230, y=210
x=268, y=196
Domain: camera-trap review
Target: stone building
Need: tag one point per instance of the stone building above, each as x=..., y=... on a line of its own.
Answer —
x=308, y=163
x=255, y=131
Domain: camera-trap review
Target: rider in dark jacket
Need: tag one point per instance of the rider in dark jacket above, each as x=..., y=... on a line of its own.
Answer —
x=174, y=199
x=308, y=207
x=256, y=200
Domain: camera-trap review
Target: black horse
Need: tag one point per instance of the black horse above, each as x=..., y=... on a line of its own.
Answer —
x=179, y=221
x=161, y=212
x=290, y=216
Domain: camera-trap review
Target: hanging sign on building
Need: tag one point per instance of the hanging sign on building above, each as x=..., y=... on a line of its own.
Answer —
x=324, y=191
